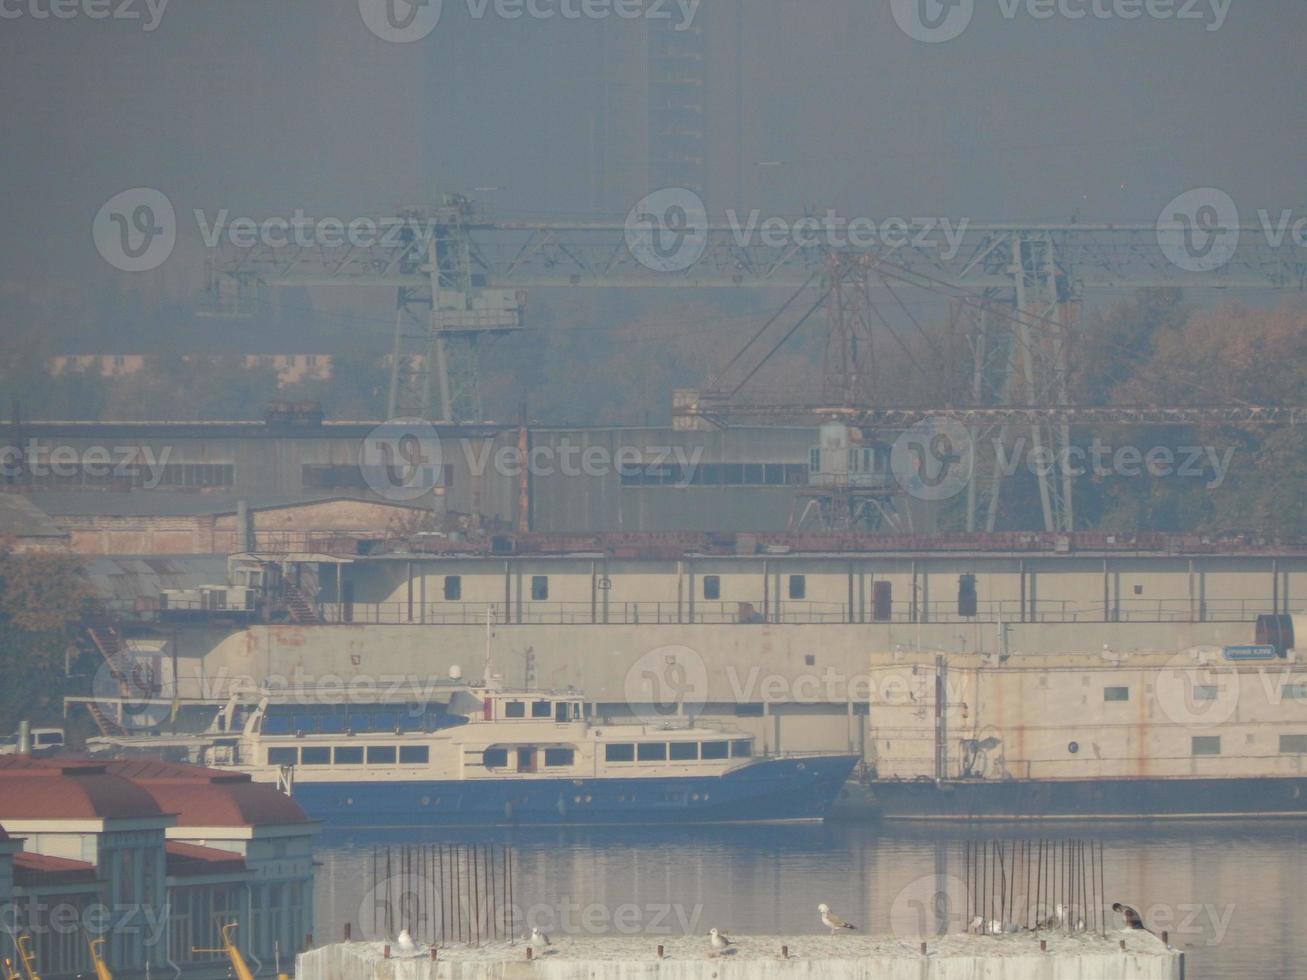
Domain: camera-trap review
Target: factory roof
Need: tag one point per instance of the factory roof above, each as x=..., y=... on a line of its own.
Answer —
x=22, y=518
x=55, y=789
x=210, y=797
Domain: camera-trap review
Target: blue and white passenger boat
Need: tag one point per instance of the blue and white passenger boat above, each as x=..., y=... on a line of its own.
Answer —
x=488, y=756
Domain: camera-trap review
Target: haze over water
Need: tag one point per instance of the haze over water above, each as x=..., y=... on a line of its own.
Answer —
x=1232, y=896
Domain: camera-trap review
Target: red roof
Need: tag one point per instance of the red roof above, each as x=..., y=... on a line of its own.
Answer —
x=185, y=860
x=54, y=789
x=210, y=797
x=30, y=869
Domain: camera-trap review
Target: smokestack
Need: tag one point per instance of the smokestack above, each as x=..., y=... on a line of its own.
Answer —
x=244, y=537
x=24, y=737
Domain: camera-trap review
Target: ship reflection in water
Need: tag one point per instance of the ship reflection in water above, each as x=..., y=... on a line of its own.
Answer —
x=1234, y=897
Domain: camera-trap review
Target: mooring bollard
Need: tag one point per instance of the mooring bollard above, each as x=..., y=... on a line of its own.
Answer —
x=1043, y=945
x=785, y=952
x=433, y=954
x=923, y=949
x=1123, y=945
x=308, y=940
x=660, y=951
x=530, y=953
x=1166, y=938
x=385, y=951
x=348, y=929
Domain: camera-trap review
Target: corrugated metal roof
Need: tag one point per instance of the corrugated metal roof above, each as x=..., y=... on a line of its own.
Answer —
x=21, y=518
x=127, y=578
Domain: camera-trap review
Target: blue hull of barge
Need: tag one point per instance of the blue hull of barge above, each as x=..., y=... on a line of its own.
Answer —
x=767, y=790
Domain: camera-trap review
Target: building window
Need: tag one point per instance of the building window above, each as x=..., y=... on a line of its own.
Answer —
x=619, y=752
x=453, y=588
x=348, y=755
x=712, y=586
x=684, y=751
x=559, y=757
x=381, y=755
x=1293, y=743
x=414, y=755
x=798, y=587
x=539, y=587
x=1206, y=745
x=882, y=601
x=1116, y=694
x=652, y=752
x=494, y=758
x=966, y=595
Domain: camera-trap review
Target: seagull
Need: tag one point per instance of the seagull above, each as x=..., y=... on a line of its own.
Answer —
x=539, y=938
x=720, y=943
x=832, y=921
x=976, y=925
x=1130, y=918
x=405, y=943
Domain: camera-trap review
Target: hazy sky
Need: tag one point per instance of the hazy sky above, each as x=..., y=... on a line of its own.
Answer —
x=265, y=106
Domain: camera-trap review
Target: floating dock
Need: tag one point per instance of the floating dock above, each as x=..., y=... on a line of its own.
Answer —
x=1123, y=955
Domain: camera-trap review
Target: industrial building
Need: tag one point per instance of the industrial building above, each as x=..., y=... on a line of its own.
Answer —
x=155, y=859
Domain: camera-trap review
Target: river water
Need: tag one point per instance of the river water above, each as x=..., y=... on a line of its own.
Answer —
x=1231, y=896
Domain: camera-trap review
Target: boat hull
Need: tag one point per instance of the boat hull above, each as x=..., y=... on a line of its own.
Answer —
x=1075, y=799
x=767, y=790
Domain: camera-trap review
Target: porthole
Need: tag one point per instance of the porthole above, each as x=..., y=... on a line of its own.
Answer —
x=1073, y=747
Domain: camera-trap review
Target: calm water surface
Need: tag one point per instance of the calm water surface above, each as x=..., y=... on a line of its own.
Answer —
x=1232, y=896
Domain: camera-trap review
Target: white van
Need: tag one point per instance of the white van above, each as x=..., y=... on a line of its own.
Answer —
x=45, y=741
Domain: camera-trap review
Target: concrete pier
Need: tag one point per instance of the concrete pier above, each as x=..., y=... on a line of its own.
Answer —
x=957, y=957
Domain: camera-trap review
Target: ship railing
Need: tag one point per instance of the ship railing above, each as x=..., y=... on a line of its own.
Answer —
x=755, y=611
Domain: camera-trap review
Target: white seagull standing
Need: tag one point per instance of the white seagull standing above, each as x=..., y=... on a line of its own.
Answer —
x=720, y=943
x=405, y=943
x=832, y=921
x=539, y=938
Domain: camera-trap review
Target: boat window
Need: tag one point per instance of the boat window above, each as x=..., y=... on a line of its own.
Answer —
x=1206, y=745
x=282, y=757
x=514, y=709
x=332, y=724
x=1116, y=694
x=348, y=755
x=1206, y=692
x=541, y=709
x=1293, y=743
x=619, y=752
x=360, y=721
x=383, y=755
x=1294, y=692
x=494, y=758
x=305, y=723
x=652, y=752
x=414, y=755
x=742, y=748
x=453, y=587
x=539, y=587
x=712, y=587
x=798, y=587
x=315, y=756
x=559, y=757
x=684, y=751
x=385, y=721
x=715, y=750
